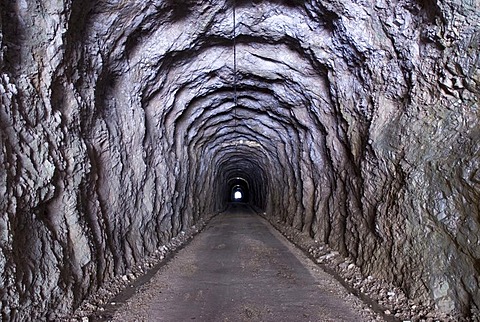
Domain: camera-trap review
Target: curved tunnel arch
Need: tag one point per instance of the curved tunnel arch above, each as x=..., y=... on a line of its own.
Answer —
x=285, y=84
x=238, y=189
x=120, y=126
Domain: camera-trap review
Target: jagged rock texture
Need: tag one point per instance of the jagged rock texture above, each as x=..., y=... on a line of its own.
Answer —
x=357, y=121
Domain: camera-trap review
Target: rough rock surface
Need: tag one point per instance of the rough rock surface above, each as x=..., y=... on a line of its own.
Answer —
x=357, y=122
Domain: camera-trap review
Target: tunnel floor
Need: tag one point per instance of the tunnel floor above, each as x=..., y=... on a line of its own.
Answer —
x=240, y=269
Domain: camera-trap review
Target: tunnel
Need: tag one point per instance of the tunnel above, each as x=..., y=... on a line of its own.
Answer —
x=126, y=123
x=239, y=189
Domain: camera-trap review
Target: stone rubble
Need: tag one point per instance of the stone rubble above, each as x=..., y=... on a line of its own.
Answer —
x=96, y=303
x=393, y=301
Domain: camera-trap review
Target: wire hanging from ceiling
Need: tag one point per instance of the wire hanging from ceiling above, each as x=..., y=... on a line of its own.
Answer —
x=235, y=97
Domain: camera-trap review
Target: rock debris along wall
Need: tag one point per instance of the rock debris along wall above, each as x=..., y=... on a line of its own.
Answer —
x=357, y=122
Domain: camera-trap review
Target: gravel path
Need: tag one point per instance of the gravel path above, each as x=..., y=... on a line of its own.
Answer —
x=241, y=269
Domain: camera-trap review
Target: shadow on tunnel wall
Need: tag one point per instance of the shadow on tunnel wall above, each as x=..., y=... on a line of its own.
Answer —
x=356, y=124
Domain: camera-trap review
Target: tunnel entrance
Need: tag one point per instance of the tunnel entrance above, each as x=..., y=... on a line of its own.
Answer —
x=237, y=194
x=239, y=190
x=242, y=178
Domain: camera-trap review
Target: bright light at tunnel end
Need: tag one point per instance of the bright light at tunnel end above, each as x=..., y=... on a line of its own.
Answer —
x=237, y=195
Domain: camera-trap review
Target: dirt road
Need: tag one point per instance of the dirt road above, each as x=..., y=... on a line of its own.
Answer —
x=240, y=269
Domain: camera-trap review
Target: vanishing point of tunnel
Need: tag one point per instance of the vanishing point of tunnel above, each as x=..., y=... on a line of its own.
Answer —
x=352, y=126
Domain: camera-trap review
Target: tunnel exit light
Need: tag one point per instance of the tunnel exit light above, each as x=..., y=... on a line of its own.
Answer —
x=238, y=195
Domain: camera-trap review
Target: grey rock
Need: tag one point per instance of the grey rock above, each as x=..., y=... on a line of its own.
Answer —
x=357, y=124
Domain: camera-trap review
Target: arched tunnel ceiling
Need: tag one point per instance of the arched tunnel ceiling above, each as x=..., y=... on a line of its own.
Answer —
x=288, y=71
x=356, y=124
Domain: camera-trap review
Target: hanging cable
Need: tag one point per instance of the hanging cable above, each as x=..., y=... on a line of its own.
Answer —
x=234, y=66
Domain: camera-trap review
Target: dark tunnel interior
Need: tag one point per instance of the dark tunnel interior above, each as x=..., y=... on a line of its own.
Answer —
x=239, y=189
x=126, y=124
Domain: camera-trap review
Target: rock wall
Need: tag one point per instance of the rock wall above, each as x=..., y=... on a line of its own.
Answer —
x=356, y=122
